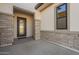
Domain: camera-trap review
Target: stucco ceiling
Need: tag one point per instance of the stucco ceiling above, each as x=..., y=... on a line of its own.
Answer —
x=26, y=6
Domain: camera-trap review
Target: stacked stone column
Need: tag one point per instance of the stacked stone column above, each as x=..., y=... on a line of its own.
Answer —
x=37, y=25
x=37, y=29
x=6, y=30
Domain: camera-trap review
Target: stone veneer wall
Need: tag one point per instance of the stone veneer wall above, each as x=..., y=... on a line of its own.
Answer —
x=68, y=39
x=6, y=30
x=37, y=29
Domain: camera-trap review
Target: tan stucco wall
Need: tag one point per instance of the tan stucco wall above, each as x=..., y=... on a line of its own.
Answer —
x=29, y=24
x=48, y=18
x=6, y=8
x=74, y=17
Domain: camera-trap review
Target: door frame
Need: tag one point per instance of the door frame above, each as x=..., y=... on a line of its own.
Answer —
x=18, y=35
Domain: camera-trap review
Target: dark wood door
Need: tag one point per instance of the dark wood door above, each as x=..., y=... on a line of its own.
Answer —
x=21, y=26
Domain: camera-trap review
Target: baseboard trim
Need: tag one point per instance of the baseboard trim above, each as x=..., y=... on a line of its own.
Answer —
x=73, y=49
x=3, y=45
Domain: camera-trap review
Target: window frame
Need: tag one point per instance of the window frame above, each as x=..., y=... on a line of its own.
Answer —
x=61, y=17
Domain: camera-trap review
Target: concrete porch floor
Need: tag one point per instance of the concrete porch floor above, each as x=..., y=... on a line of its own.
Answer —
x=35, y=47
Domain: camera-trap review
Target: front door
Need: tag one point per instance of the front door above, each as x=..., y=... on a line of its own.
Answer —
x=21, y=27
